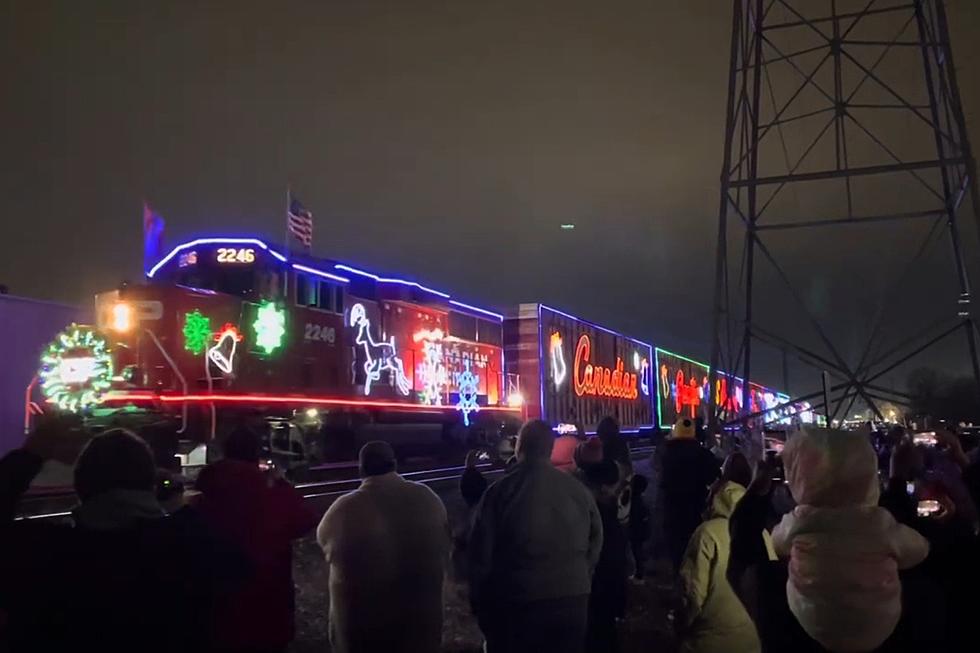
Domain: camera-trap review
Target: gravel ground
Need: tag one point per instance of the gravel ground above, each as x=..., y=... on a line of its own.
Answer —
x=645, y=628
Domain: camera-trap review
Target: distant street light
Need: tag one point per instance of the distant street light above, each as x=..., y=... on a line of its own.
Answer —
x=568, y=226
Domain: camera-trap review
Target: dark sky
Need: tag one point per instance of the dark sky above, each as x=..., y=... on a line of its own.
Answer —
x=448, y=140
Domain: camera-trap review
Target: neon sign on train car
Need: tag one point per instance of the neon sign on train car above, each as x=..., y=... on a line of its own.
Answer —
x=585, y=371
x=602, y=381
x=682, y=387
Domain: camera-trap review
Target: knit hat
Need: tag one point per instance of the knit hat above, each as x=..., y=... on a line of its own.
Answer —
x=684, y=429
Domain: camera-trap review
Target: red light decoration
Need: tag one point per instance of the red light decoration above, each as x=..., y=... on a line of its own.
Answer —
x=687, y=395
x=229, y=330
x=300, y=400
x=601, y=381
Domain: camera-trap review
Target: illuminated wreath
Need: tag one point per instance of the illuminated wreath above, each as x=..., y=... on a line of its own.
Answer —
x=76, y=369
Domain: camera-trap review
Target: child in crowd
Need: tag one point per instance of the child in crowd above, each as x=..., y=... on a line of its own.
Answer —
x=845, y=551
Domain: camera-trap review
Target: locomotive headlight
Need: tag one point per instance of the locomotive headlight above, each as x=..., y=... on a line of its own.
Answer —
x=122, y=317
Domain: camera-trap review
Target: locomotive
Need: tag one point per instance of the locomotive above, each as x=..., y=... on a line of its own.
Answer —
x=330, y=355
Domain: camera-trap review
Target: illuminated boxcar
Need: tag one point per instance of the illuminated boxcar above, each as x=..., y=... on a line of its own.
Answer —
x=577, y=372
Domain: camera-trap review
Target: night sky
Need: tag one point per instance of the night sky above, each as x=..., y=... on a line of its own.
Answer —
x=443, y=140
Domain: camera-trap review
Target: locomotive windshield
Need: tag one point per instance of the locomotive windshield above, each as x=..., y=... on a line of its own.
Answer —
x=232, y=271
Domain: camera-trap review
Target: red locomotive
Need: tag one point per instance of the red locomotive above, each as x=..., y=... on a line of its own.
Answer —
x=233, y=325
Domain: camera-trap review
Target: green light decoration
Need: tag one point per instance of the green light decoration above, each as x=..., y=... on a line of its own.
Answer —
x=76, y=369
x=197, y=332
x=269, y=327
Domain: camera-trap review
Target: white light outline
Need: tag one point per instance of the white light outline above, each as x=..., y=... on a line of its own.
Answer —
x=226, y=365
x=433, y=368
x=559, y=370
x=373, y=367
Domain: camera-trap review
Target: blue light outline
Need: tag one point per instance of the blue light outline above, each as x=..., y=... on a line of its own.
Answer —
x=212, y=241
x=303, y=268
x=477, y=309
x=379, y=279
x=320, y=273
x=594, y=325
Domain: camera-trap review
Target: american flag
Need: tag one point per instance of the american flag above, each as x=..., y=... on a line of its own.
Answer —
x=299, y=221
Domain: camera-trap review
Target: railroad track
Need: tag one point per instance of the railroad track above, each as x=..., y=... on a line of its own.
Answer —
x=318, y=491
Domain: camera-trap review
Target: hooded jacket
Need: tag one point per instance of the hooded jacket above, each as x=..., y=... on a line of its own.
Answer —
x=716, y=620
x=845, y=551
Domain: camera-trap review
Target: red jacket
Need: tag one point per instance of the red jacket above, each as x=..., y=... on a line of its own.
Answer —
x=262, y=517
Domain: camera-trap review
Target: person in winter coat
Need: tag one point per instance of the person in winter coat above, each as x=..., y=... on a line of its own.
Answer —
x=536, y=539
x=387, y=546
x=845, y=551
x=713, y=619
x=123, y=577
x=616, y=449
x=262, y=514
x=607, y=601
x=687, y=469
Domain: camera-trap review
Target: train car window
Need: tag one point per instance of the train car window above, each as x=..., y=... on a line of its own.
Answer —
x=325, y=300
x=238, y=281
x=489, y=332
x=462, y=326
x=306, y=291
x=271, y=285
x=338, y=299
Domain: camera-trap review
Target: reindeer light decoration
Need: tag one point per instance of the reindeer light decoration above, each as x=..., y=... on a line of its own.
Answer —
x=379, y=356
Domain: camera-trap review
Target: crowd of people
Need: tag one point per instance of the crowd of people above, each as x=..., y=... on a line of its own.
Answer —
x=877, y=551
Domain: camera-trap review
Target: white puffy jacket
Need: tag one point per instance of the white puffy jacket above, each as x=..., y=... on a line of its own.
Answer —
x=845, y=551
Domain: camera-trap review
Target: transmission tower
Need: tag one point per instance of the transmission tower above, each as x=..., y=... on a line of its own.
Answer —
x=842, y=115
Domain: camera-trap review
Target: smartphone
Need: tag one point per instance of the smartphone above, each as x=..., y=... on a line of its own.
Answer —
x=928, y=508
x=926, y=439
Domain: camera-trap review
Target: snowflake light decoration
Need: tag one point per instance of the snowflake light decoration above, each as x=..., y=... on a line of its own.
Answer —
x=269, y=327
x=432, y=372
x=76, y=369
x=468, y=385
x=197, y=332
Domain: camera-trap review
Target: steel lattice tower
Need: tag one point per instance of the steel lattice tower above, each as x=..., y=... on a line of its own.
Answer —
x=840, y=113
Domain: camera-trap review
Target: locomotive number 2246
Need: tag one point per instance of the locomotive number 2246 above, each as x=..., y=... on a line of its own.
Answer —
x=236, y=255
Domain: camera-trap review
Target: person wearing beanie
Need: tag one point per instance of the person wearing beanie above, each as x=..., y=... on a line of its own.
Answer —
x=122, y=576
x=587, y=455
x=536, y=539
x=387, y=547
x=688, y=469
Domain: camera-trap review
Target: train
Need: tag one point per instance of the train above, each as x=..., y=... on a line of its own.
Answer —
x=330, y=355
